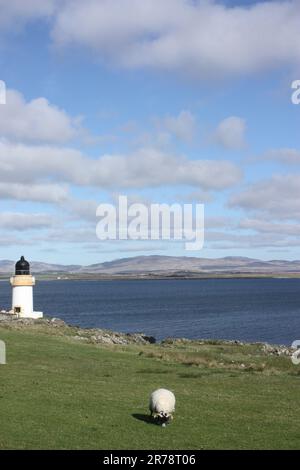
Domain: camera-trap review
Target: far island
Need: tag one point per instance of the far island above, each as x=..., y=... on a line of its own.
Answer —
x=164, y=267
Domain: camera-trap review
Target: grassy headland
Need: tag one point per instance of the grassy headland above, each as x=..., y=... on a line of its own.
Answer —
x=61, y=391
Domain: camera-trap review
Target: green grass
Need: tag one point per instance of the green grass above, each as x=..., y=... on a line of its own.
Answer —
x=56, y=393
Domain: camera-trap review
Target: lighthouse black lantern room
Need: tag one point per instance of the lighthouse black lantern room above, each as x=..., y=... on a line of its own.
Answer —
x=22, y=267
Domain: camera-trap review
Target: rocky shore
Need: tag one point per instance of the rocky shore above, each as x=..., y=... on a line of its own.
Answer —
x=88, y=335
x=266, y=348
x=101, y=336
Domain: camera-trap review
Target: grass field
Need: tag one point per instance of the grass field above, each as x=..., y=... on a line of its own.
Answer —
x=56, y=393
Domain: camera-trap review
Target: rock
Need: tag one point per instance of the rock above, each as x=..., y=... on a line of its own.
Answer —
x=238, y=343
x=6, y=317
x=110, y=337
x=276, y=350
x=57, y=322
x=141, y=338
x=82, y=338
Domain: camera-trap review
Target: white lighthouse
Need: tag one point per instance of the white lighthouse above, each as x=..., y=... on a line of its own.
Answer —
x=22, y=291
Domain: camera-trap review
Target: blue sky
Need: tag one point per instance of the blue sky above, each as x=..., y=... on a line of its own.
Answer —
x=100, y=103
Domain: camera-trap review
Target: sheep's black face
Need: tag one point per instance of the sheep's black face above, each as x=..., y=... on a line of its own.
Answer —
x=163, y=418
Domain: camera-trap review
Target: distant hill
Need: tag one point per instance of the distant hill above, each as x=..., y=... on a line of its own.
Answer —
x=8, y=267
x=165, y=265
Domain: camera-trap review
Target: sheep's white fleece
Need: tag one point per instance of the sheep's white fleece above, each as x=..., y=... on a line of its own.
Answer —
x=162, y=400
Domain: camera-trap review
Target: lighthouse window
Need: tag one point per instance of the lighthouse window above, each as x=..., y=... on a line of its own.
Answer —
x=17, y=309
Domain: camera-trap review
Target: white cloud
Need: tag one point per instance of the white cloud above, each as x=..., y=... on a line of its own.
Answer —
x=82, y=209
x=196, y=196
x=70, y=234
x=22, y=221
x=284, y=155
x=254, y=241
x=203, y=38
x=272, y=208
x=18, y=12
x=144, y=168
x=230, y=133
x=182, y=126
x=278, y=196
x=219, y=222
x=11, y=240
x=35, y=121
x=263, y=226
x=48, y=193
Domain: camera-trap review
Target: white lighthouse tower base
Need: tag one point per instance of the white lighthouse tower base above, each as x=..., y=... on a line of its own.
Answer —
x=22, y=296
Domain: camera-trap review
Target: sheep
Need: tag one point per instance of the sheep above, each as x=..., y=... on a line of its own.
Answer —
x=162, y=405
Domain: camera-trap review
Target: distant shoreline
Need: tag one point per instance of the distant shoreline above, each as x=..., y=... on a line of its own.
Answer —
x=154, y=276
